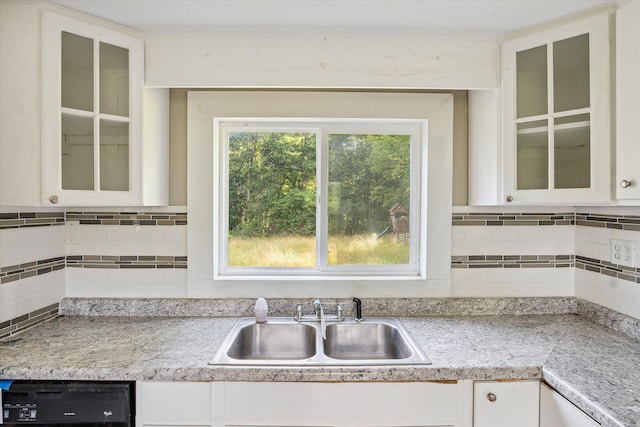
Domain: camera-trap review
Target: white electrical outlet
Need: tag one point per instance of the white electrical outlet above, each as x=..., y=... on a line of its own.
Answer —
x=72, y=232
x=622, y=252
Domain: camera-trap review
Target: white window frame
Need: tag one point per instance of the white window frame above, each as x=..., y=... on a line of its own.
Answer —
x=203, y=107
x=322, y=127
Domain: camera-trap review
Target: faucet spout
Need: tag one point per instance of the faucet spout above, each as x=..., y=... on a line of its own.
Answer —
x=317, y=307
x=358, y=303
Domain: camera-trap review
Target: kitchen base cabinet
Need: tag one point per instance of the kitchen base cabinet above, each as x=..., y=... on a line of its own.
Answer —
x=343, y=404
x=173, y=404
x=556, y=411
x=506, y=403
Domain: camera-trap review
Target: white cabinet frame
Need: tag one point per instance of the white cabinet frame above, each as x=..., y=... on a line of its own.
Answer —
x=597, y=26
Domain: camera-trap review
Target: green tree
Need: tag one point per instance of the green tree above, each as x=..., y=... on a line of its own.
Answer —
x=272, y=184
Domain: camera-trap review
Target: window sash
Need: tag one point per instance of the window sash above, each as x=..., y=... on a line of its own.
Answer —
x=415, y=129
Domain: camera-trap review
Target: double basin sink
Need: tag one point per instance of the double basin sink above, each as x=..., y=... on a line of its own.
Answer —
x=285, y=341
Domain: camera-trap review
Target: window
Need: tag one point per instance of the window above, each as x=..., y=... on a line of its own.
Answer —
x=208, y=111
x=325, y=196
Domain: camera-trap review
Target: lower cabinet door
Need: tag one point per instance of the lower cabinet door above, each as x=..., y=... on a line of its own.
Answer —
x=173, y=404
x=342, y=405
x=556, y=411
x=506, y=403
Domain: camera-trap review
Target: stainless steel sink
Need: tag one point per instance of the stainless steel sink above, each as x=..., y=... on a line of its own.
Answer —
x=352, y=341
x=273, y=341
x=287, y=342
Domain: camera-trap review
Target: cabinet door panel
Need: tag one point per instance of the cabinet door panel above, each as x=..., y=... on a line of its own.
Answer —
x=556, y=411
x=94, y=75
x=506, y=404
x=160, y=403
x=344, y=404
x=556, y=114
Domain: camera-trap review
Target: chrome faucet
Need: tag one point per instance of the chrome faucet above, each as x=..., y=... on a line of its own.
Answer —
x=317, y=307
x=319, y=314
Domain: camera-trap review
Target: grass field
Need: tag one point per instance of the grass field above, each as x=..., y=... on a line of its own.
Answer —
x=295, y=251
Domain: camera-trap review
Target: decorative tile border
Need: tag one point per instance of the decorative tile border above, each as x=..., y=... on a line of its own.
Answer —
x=608, y=269
x=12, y=273
x=128, y=218
x=619, y=222
x=19, y=324
x=499, y=219
x=29, y=269
x=41, y=219
x=126, y=261
x=512, y=261
x=30, y=219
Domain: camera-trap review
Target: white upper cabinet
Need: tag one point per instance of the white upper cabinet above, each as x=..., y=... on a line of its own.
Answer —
x=92, y=114
x=556, y=114
x=78, y=126
x=628, y=107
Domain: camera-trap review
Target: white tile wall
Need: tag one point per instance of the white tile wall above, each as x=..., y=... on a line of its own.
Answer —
x=31, y=244
x=21, y=245
x=130, y=240
x=513, y=240
x=123, y=283
x=135, y=282
x=512, y=282
x=594, y=242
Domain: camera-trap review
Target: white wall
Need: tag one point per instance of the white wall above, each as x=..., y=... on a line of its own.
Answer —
x=622, y=295
x=28, y=282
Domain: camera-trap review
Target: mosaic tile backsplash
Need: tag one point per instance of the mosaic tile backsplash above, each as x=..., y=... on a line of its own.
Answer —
x=13, y=272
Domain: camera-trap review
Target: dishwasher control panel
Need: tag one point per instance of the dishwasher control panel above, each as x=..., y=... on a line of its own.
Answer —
x=19, y=412
x=49, y=403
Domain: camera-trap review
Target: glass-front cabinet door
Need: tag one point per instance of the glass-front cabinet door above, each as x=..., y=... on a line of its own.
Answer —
x=92, y=92
x=556, y=129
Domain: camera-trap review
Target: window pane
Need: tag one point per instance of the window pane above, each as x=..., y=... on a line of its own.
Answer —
x=114, y=80
x=272, y=199
x=369, y=199
x=572, y=151
x=77, y=72
x=77, y=152
x=114, y=155
x=531, y=82
x=533, y=155
x=571, y=73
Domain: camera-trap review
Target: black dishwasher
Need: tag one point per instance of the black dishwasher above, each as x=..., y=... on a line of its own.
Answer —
x=69, y=403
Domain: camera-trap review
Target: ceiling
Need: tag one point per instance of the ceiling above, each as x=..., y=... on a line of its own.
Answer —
x=457, y=18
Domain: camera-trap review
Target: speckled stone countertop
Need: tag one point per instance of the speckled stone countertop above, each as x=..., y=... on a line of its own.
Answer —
x=593, y=366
